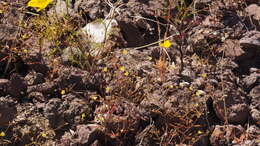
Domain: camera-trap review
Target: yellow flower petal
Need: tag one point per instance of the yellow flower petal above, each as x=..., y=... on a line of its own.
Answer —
x=126, y=73
x=2, y=134
x=99, y=118
x=122, y=68
x=94, y=97
x=44, y=135
x=105, y=69
x=203, y=75
x=166, y=44
x=62, y=92
x=40, y=4
x=200, y=93
x=25, y=51
x=190, y=88
x=171, y=86
x=83, y=116
x=108, y=89
x=124, y=52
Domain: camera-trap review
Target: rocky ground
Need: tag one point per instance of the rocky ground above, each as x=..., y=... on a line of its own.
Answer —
x=58, y=87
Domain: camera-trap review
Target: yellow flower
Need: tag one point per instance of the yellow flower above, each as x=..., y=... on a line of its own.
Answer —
x=203, y=75
x=191, y=88
x=83, y=116
x=124, y=52
x=105, y=69
x=44, y=135
x=200, y=93
x=25, y=51
x=99, y=118
x=126, y=73
x=171, y=86
x=39, y=4
x=122, y=68
x=166, y=44
x=200, y=132
x=108, y=89
x=2, y=134
x=62, y=92
x=149, y=58
x=94, y=97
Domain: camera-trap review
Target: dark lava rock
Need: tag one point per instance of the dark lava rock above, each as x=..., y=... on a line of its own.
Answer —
x=253, y=1
x=122, y=119
x=232, y=48
x=36, y=97
x=29, y=123
x=255, y=92
x=199, y=36
x=253, y=12
x=154, y=98
x=3, y=85
x=44, y=88
x=255, y=104
x=225, y=135
x=68, y=111
x=68, y=78
x=87, y=134
x=251, y=81
x=7, y=110
x=53, y=111
x=35, y=59
x=251, y=39
x=91, y=134
x=202, y=3
x=17, y=86
x=78, y=79
x=8, y=32
x=93, y=9
x=34, y=78
x=236, y=104
x=253, y=132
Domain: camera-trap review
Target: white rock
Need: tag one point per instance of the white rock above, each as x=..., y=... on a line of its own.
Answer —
x=62, y=9
x=99, y=30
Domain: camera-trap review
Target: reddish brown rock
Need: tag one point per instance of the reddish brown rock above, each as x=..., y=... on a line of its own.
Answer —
x=232, y=106
x=255, y=104
x=17, y=86
x=7, y=111
x=232, y=48
x=251, y=40
x=227, y=135
x=254, y=11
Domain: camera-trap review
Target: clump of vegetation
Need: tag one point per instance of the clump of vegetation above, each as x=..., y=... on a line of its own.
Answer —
x=158, y=93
